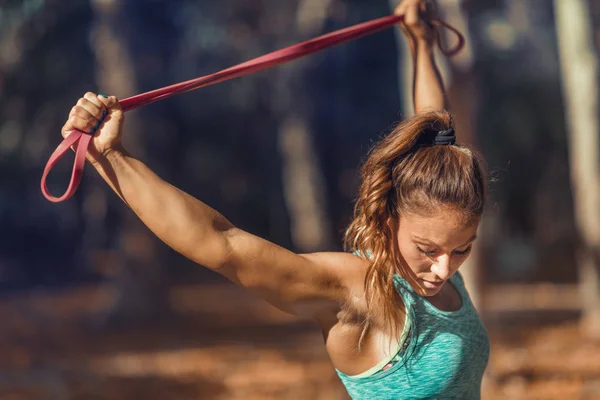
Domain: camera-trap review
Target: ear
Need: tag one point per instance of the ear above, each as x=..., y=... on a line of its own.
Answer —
x=392, y=223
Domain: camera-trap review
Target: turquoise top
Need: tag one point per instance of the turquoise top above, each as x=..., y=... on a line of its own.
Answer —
x=444, y=354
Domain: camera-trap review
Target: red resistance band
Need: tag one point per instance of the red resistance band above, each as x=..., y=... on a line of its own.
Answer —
x=82, y=140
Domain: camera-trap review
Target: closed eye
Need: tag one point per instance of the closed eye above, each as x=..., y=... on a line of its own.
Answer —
x=464, y=252
x=457, y=252
x=427, y=253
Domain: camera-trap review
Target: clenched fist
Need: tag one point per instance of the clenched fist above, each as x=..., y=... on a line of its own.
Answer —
x=100, y=116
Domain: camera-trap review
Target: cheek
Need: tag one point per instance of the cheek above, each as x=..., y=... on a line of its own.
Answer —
x=416, y=261
x=419, y=265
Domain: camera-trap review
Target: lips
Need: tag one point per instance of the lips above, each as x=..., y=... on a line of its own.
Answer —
x=432, y=284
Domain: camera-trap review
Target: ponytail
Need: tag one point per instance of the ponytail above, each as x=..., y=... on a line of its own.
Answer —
x=404, y=174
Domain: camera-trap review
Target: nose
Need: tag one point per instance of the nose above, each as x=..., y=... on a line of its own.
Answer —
x=442, y=267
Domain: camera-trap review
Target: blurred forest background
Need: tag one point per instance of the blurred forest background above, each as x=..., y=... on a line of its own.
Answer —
x=94, y=307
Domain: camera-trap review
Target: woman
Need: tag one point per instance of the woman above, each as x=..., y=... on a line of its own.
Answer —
x=395, y=315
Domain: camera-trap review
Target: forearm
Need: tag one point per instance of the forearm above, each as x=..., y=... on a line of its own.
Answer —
x=428, y=90
x=184, y=223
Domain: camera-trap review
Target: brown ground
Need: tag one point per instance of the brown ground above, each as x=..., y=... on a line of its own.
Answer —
x=226, y=344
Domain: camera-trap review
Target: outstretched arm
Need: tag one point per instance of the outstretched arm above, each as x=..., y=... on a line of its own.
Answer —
x=309, y=285
x=428, y=87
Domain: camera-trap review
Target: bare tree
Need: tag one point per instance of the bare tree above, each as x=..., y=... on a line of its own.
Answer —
x=303, y=183
x=579, y=65
x=141, y=291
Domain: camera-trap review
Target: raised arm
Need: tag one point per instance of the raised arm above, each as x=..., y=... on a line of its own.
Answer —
x=428, y=87
x=308, y=285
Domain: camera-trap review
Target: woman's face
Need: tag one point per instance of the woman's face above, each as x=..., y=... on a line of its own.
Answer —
x=434, y=247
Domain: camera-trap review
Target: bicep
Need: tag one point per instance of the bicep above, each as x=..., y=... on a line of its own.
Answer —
x=303, y=285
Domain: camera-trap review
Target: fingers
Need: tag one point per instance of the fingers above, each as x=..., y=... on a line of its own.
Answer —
x=89, y=113
x=411, y=11
x=403, y=7
x=79, y=123
x=399, y=10
x=90, y=103
x=415, y=10
x=93, y=99
x=415, y=22
x=85, y=116
x=111, y=103
x=411, y=15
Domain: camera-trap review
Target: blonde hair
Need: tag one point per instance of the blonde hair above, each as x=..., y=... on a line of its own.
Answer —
x=400, y=178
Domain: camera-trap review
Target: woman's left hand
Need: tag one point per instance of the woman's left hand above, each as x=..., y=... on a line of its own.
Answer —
x=415, y=24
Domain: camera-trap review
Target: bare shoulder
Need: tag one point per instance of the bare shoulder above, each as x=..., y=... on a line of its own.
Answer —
x=347, y=272
x=347, y=269
x=345, y=262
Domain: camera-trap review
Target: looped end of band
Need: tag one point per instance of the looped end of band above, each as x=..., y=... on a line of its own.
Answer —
x=448, y=52
x=82, y=140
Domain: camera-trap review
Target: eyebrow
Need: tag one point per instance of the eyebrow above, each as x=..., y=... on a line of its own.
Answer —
x=426, y=241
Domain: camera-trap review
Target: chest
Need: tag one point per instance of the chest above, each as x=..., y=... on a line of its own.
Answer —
x=448, y=355
x=445, y=359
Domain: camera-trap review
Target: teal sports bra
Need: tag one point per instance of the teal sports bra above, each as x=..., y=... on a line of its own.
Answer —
x=443, y=355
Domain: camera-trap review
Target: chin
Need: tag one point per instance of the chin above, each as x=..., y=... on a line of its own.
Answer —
x=429, y=291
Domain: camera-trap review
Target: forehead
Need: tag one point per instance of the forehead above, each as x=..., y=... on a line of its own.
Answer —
x=445, y=227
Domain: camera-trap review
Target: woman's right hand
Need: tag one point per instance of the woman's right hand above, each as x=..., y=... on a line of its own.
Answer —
x=100, y=116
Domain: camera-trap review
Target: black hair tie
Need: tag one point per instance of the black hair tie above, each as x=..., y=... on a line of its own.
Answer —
x=446, y=137
x=434, y=138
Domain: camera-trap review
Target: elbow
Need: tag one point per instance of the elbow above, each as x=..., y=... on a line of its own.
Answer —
x=223, y=250
x=211, y=249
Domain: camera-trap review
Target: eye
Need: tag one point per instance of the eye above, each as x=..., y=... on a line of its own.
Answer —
x=427, y=253
x=464, y=252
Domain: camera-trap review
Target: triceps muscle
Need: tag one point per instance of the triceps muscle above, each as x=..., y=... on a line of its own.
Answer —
x=303, y=285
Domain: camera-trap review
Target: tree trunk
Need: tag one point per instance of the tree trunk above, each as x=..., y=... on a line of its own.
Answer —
x=579, y=66
x=141, y=289
x=303, y=182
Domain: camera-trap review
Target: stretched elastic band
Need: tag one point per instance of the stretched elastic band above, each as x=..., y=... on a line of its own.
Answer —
x=82, y=140
x=248, y=67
